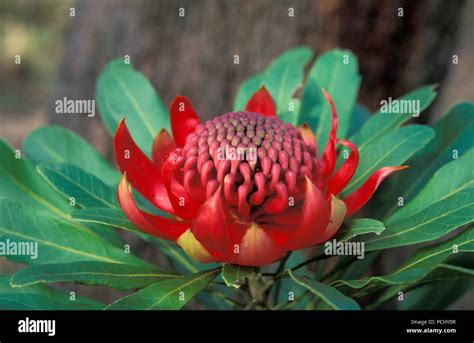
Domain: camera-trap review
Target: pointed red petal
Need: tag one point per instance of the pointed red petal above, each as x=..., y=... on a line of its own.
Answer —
x=183, y=119
x=359, y=197
x=141, y=172
x=162, y=146
x=328, y=159
x=214, y=228
x=345, y=172
x=313, y=219
x=261, y=102
x=154, y=225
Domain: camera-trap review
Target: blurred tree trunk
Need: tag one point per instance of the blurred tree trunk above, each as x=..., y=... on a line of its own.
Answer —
x=193, y=55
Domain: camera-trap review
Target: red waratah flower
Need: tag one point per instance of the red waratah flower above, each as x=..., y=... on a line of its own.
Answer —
x=245, y=211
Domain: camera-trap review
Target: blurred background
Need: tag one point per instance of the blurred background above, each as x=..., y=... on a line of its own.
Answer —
x=64, y=44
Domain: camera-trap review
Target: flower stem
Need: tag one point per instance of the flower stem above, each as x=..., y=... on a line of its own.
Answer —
x=277, y=283
x=258, y=289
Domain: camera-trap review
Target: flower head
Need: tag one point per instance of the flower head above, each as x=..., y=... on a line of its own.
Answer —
x=242, y=188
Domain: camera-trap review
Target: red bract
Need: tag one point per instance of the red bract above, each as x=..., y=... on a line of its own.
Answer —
x=242, y=188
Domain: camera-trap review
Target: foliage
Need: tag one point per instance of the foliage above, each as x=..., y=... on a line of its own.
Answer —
x=59, y=192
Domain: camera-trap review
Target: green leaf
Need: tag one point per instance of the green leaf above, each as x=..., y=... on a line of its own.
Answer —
x=337, y=72
x=116, y=218
x=393, y=149
x=104, y=220
x=452, y=178
x=56, y=144
x=359, y=227
x=19, y=181
x=72, y=181
x=233, y=275
x=328, y=294
x=281, y=78
x=116, y=275
x=56, y=240
x=429, y=224
x=124, y=92
x=453, y=135
x=358, y=267
x=291, y=115
x=217, y=297
x=170, y=294
x=359, y=116
x=419, y=265
x=179, y=260
x=113, y=217
x=436, y=296
x=447, y=271
x=285, y=75
x=288, y=291
x=441, y=274
x=40, y=297
x=381, y=123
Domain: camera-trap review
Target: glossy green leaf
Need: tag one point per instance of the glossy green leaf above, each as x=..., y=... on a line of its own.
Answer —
x=116, y=275
x=436, y=296
x=451, y=179
x=454, y=134
x=429, y=224
x=447, y=271
x=443, y=273
x=281, y=78
x=40, y=297
x=233, y=275
x=393, y=149
x=217, y=297
x=19, y=181
x=337, y=72
x=285, y=75
x=287, y=290
x=124, y=92
x=170, y=294
x=179, y=260
x=292, y=114
x=328, y=294
x=381, y=123
x=56, y=144
x=420, y=264
x=56, y=240
x=86, y=189
x=113, y=217
x=359, y=116
x=358, y=227
x=357, y=268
